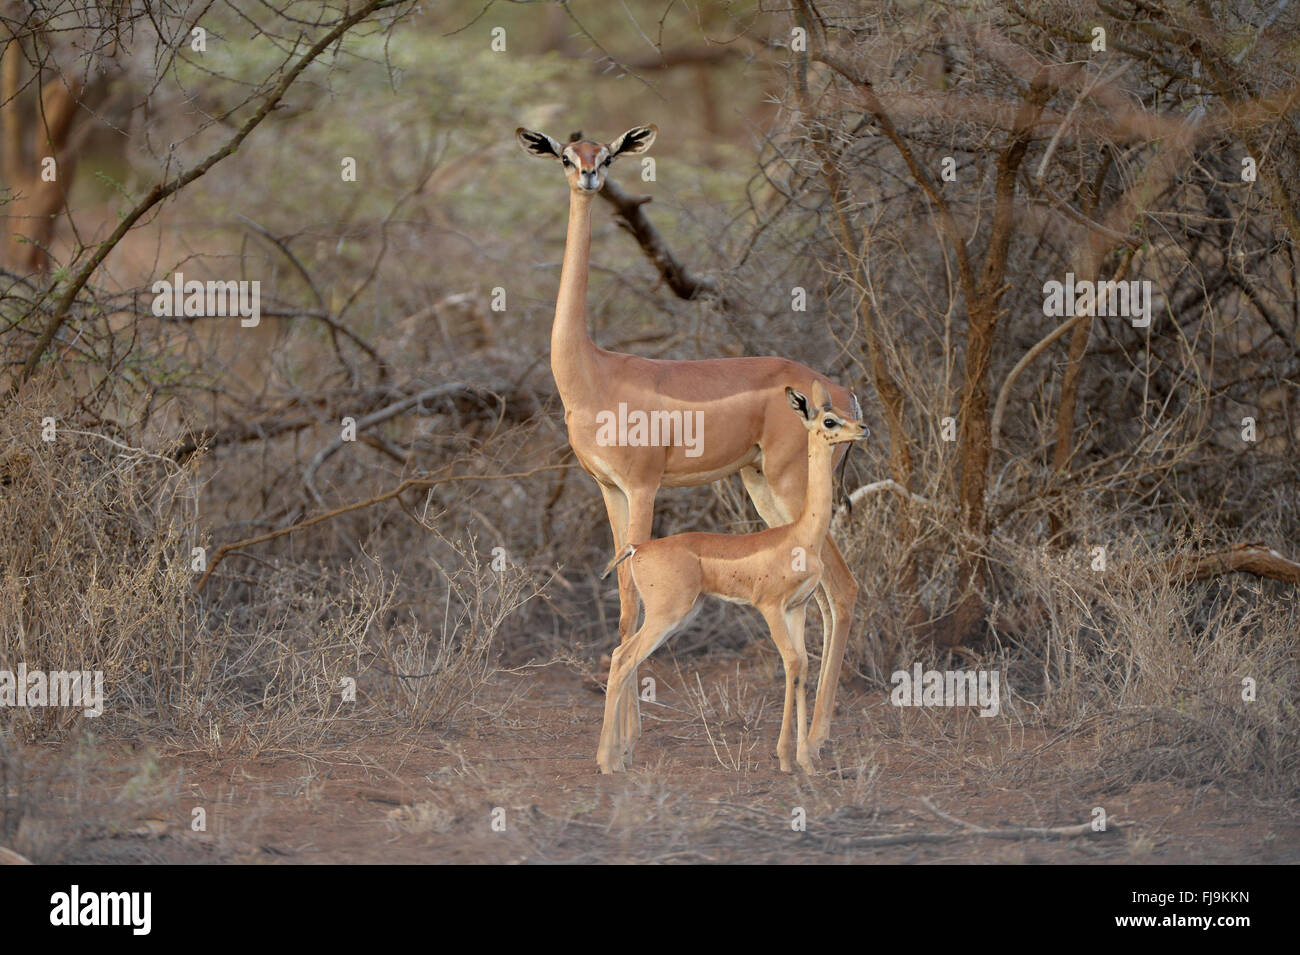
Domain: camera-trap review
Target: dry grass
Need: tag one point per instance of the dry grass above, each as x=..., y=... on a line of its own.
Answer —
x=1148, y=670
x=94, y=567
x=95, y=574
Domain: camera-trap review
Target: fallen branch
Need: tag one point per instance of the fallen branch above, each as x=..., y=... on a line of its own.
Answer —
x=263, y=429
x=1021, y=832
x=1254, y=558
x=307, y=412
x=225, y=550
x=378, y=417
x=888, y=485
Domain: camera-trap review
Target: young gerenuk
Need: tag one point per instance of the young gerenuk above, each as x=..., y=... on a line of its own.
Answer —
x=774, y=570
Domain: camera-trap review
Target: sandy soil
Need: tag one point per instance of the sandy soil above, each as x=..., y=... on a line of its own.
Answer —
x=516, y=782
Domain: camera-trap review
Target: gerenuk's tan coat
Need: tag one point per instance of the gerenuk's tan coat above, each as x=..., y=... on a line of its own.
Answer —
x=774, y=570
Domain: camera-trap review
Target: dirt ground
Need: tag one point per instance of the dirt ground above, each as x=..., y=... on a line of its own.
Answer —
x=516, y=782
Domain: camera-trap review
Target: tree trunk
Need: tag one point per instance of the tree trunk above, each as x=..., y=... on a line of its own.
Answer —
x=37, y=197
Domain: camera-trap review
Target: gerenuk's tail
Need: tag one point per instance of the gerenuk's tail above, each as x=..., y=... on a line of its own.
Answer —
x=623, y=555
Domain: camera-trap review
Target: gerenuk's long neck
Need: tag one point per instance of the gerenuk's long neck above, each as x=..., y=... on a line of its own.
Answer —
x=815, y=519
x=572, y=350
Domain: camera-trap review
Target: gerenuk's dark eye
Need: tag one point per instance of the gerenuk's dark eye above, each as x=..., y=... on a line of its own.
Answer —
x=830, y=424
x=565, y=161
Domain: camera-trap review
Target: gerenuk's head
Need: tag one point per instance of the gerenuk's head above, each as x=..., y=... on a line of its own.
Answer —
x=585, y=162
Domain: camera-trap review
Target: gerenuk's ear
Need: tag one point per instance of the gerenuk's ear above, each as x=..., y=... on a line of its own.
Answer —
x=538, y=144
x=634, y=142
x=799, y=403
x=820, y=396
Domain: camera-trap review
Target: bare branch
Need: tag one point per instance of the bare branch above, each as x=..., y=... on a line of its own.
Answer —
x=684, y=283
